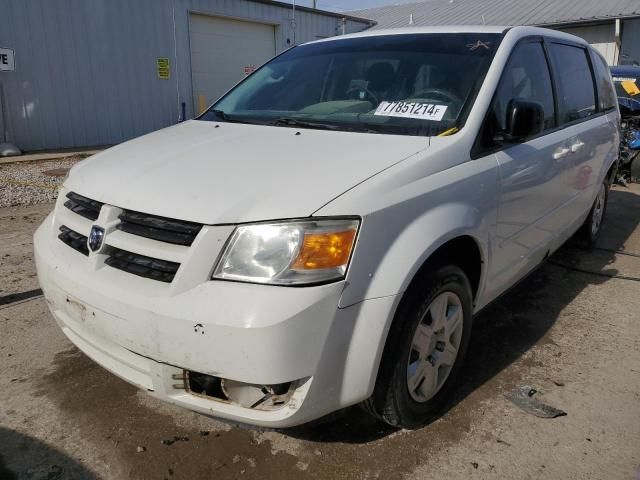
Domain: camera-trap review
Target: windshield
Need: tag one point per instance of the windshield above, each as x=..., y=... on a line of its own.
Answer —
x=409, y=84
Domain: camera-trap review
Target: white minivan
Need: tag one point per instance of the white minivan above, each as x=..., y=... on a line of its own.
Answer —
x=323, y=235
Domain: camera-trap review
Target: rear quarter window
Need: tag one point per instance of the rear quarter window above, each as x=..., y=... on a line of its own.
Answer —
x=606, y=92
x=576, y=92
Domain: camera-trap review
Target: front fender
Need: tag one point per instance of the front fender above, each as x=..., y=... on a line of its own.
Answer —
x=383, y=281
x=407, y=212
x=389, y=254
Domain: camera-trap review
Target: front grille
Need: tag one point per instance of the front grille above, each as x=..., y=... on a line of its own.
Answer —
x=147, y=267
x=83, y=206
x=166, y=230
x=74, y=240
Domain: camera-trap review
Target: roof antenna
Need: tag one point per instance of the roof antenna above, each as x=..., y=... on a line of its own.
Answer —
x=411, y=19
x=483, y=22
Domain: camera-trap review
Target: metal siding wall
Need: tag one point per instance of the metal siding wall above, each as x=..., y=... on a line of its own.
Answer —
x=601, y=37
x=631, y=41
x=85, y=69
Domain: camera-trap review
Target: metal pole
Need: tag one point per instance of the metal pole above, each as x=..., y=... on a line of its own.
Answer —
x=618, y=39
x=6, y=149
x=2, y=120
x=293, y=22
x=176, y=67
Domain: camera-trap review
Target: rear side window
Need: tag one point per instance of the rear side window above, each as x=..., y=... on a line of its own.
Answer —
x=576, y=94
x=606, y=93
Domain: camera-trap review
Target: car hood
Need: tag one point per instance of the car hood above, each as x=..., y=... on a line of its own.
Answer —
x=231, y=173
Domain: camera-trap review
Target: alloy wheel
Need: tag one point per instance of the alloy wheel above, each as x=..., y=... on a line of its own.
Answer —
x=598, y=210
x=435, y=346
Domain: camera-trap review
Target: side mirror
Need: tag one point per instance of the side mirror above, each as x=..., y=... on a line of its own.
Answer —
x=524, y=120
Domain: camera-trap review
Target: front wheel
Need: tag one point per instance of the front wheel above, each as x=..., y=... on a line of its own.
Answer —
x=424, y=350
x=592, y=226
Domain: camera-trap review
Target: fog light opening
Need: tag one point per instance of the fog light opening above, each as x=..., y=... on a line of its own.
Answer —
x=261, y=397
x=202, y=384
x=246, y=395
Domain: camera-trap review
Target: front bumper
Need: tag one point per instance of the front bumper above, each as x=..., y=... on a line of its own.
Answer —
x=149, y=334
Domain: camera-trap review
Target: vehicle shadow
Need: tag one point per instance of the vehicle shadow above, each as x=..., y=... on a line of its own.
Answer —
x=25, y=457
x=513, y=324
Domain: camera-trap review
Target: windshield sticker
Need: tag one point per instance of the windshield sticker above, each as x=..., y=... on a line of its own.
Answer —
x=478, y=44
x=624, y=79
x=422, y=111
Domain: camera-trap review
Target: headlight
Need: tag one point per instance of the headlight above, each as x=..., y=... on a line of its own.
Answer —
x=288, y=253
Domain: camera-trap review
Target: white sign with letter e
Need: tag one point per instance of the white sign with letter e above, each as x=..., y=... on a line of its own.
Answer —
x=7, y=60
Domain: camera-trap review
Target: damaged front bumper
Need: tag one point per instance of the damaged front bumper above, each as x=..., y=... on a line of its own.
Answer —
x=294, y=342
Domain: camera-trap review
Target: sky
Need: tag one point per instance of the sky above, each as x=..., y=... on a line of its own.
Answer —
x=346, y=5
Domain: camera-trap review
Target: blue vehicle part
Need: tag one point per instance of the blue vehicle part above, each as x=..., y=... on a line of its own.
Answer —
x=634, y=142
x=619, y=74
x=627, y=71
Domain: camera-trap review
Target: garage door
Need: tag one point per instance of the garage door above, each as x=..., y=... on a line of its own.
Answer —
x=221, y=50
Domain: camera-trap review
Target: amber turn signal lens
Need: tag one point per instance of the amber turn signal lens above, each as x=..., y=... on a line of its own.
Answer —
x=325, y=250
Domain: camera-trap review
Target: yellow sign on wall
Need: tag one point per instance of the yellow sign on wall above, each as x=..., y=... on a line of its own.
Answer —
x=164, y=72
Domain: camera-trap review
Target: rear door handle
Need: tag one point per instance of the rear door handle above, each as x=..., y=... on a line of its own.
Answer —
x=561, y=153
x=577, y=146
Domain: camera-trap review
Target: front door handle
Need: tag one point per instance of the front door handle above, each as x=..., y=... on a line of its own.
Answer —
x=561, y=153
x=577, y=146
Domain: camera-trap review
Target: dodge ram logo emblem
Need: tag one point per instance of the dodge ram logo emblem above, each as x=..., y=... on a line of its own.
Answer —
x=96, y=238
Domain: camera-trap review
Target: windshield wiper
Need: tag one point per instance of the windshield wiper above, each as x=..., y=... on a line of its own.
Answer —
x=225, y=117
x=222, y=114
x=292, y=122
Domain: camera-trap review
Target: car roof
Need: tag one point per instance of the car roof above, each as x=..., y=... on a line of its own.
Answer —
x=414, y=30
x=525, y=30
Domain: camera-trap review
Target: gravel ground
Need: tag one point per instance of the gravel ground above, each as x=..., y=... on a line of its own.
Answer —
x=26, y=183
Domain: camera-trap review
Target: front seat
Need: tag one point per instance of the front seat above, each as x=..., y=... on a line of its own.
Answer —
x=380, y=78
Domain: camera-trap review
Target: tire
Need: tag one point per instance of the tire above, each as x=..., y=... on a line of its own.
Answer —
x=589, y=232
x=419, y=365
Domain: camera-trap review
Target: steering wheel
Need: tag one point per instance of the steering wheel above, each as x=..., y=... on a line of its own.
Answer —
x=369, y=93
x=437, y=92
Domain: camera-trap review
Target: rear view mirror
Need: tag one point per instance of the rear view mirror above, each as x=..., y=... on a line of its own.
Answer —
x=278, y=70
x=524, y=119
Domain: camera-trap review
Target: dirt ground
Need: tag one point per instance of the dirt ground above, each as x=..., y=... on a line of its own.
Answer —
x=571, y=330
